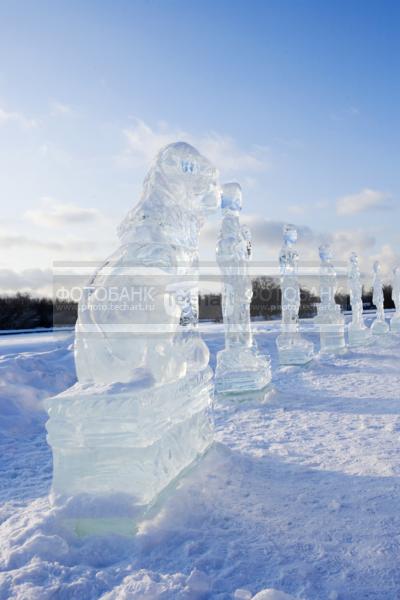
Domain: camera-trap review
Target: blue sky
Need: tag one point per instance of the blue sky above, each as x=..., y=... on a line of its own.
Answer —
x=296, y=100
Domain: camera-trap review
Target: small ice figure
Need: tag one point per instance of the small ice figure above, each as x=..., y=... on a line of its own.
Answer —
x=358, y=333
x=240, y=366
x=140, y=412
x=379, y=326
x=395, y=320
x=329, y=319
x=293, y=349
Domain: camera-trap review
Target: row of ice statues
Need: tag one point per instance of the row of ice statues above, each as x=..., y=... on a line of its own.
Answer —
x=240, y=367
x=140, y=412
x=292, y=347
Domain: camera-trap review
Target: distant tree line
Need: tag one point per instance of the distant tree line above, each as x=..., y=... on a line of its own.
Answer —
x=23, y=311
x=266, y=302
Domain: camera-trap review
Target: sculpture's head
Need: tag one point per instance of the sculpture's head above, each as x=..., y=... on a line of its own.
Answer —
x=325, y=253
x=188, y=176
x=377, y=267
x=246, y=233
x=289, y=234
x=354, y=259
x=179, y=177
x=231, y=197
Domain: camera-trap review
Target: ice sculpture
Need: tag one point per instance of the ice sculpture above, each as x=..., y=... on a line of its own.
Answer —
x=395, y=320
x=140, y=412
x=293, y=349
x=379, y=326
x=240, y=367
x=358, y=333
x=329, y=319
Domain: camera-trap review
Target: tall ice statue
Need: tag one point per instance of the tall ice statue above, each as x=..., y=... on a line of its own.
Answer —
x=240, y=366
x=140, y=412
x=329, y=319
x=358, y=333
x=293, y=349
x=379, y=326
x=395, y=320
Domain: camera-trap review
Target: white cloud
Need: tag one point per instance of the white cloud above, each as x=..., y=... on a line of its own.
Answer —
x=267, y=241
x=363, y=201
x=389, y=258
x=10, y=240
x=67, y=246
x=297, y=209
x=17, y=118
x=143, y=143
x=53, y=214
x=59, y=108
x=29, y=280
x=348, y=241
x=321, y=204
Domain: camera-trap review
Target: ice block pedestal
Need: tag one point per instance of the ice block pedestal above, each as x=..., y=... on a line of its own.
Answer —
x=116, y=447
x=241, y=370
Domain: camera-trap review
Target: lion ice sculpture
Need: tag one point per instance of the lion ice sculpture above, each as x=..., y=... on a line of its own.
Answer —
x=139, y=413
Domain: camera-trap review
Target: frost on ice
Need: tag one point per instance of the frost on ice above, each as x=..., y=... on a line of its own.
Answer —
x=139, y=413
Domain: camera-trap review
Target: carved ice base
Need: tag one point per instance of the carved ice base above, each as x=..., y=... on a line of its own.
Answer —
x=332, y=341
x=359, y=335
x=264, y=396
x=331, y=330
x=117, y=447
x=241, y=369
x=379, y=327
x=293, y=349
x=395, y=323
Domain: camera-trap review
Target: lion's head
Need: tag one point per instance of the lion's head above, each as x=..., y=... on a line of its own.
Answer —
x=180, y=181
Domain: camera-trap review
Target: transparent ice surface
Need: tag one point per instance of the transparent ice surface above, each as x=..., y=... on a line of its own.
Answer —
x=240, y=367
x=379, y=326
x=293, y=349
x=358, y=333
x=329, y=319
x=140, y=412
x=395, y=320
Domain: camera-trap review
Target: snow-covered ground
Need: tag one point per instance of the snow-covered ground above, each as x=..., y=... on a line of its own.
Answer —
x=299, y=497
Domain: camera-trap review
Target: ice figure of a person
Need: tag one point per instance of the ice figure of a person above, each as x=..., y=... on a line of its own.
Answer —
x=379, y=326
x=395, y=320
x=140, y=412
x=293, y=349
x=240, y=366
x=358, y=333
x=329, y=319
